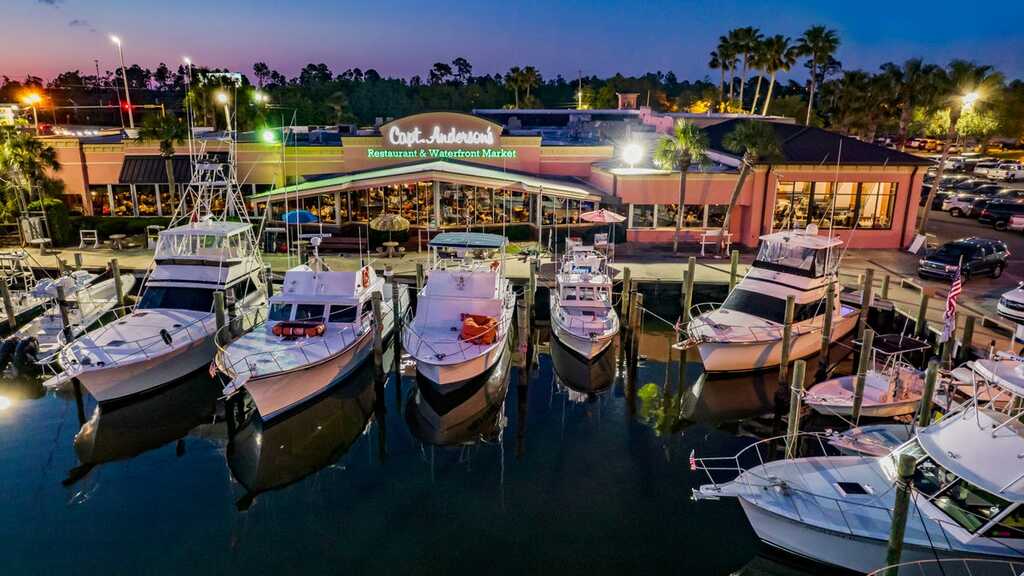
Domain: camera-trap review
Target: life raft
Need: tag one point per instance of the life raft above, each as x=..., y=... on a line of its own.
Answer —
x=479, y=329
x=298, y=330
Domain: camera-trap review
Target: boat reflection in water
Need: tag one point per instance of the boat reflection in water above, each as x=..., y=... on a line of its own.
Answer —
x=122, y=430
x=472, y=413
x=583, y=379
x=264, y=456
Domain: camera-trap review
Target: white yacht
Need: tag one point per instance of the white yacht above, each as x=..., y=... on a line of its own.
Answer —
x=464, y=312
x=582, y=315
x=170, y=332
x=745, y=332
x=38, y=342
x=892, y=386
x=967, y=489
x=320, y=329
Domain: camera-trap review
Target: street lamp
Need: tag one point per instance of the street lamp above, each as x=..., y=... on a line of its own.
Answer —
x=970, y=98
x=124, y=76
x=31, y=99
x=222, y=98
x=632, y=154
x=261, y=97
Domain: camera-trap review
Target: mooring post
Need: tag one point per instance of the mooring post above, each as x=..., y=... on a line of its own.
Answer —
x=60, y=265
x=531, y=291
x=966, y=340
x=866, y=290
x=885, y=287
x=924, y=411
x=396, y=329
x=635, y=317
x=268, y=275
x=378, y=340
x=905, y=470
x=734, y=266
x=826, y=331
x=419, y=277
x=921, y=322
x=796, y=390
x=624, y=303
x=862, y=373
x=220, y=314
x=787, y=334
x=76, y=387
x=65, y=320
x=115, y=271
x=78, y=260
x=5, y=292
x=688, y=281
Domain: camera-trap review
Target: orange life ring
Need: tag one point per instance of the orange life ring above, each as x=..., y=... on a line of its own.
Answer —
x=366, y=277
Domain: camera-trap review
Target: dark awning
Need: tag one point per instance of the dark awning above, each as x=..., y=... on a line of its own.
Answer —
x=150, y=170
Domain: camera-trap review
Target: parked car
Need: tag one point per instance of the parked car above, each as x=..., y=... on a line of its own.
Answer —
x=975, y=256
x=999, y=212
x=980, y=203
x=1016, y=223
x=1011, y=304
x=962, y=203
x=983, y=167
x=1008, y=171
x=955, y=163
x=948, y=186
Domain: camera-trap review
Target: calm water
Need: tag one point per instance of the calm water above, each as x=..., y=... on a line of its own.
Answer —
x=569, y=470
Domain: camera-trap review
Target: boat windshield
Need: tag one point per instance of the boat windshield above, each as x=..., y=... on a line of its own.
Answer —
x=802, y=260
x=177, y=298
x=768, y=307
x=202, y=246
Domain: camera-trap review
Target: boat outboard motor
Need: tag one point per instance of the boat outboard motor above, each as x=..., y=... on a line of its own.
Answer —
x=25, y=354
x=7, y=352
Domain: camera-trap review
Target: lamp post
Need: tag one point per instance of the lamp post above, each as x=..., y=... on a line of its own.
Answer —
x=222, y=98
x=124, y=76
x=31, y=99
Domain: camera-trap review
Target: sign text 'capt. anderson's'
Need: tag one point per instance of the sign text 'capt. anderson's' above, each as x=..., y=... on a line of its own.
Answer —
x=439, y=137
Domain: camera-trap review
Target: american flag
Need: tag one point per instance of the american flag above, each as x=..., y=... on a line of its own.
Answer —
x=950, y=316
x=693, y=460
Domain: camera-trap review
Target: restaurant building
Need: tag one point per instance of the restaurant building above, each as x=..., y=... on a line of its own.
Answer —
x=535, y=169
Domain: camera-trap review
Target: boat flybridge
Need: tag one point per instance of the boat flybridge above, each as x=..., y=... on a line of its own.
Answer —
x=170, y=332
x=320, y=328
x=967, y=497
x=582, y=315
x=745, y=332
x=464, y=312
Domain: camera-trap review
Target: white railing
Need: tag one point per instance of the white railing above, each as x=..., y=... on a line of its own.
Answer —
x=591, y=324
x=464, y=346
x=954, y=567
x=752, y=334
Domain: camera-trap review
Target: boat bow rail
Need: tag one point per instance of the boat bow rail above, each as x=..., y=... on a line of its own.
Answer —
x=464, y=350
x=954, y=567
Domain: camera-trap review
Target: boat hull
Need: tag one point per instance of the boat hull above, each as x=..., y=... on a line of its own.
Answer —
x=585, y=347
x=276, y=394
x=749, y=356
x=857, y=553
x=451, y=376
x=136, y=378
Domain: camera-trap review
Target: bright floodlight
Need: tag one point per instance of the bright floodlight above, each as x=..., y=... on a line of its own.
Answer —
x=115, y=39
x=187, y=60
x=222, y=97
x=268, y=136
x=32, y=98
x=632, y=154
x=260, y=97
x=970, y=98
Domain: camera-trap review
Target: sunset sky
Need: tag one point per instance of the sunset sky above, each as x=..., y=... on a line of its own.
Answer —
x=404, y=37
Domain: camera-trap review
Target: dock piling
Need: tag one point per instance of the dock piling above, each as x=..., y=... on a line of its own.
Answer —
x=688, y=280
x=796, y=389
x=885, y=287
x=905, y=470
x=866, y=290
x=924, y=412
x=78, y=260
x=966, y=340
x=826, y=332
x=60, y=265
x=734, y=265
x=531, y=291
x=862, y=373
x=921, y=321
x=62, y=306
x=115, y=271
x=396, y=329
x=5, y=293
x=220, y=314
x=624, y=303
x=634, y=319
x=419, y=277
x=269, y=277
x=787, y=335
x=378, y=341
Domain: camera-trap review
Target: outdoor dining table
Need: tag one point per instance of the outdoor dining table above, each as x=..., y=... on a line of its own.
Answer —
x=391, y=248
x=115, y=241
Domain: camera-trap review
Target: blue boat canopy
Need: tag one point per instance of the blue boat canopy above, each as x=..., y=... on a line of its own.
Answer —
x=468, y=240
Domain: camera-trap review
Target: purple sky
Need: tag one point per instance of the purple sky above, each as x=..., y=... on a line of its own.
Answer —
x=404, y=37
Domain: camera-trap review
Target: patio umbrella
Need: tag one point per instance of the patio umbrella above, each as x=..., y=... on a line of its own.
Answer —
x=606, y=217
x=299, y=217
x=389, y=223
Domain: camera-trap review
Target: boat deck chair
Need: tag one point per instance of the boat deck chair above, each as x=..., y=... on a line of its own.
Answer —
x=87, y=237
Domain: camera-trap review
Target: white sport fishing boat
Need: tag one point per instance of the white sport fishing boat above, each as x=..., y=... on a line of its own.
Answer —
x=464, y=312
x=171, y=331
x=745, y=332
x=967, y=498
x=319, y=330
x=582, y=315
x=38, y=342
x=16, y=271
x=892, y=386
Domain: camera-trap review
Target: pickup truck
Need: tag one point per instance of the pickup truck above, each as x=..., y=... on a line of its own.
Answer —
x=1008, y=171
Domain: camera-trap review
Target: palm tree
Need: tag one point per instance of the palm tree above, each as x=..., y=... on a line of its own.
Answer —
x=778, y=55
x=686, y=145
x=746, y=41
x=727, y=56
x=820, y=44
x=715, y=63
x=531, y=79
x=757, y=60
x=168, y=131
x=915, y=86
x=24, y=162
x=756, y=141
x=965, y=84
x=514, y=78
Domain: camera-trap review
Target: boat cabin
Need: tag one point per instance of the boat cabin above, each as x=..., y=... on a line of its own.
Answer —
x=798, y=252
x=311, y=299
x=469, y=251
x=205, y=242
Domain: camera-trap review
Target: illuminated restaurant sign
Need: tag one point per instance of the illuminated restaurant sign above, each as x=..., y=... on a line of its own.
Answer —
x=440, y=135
